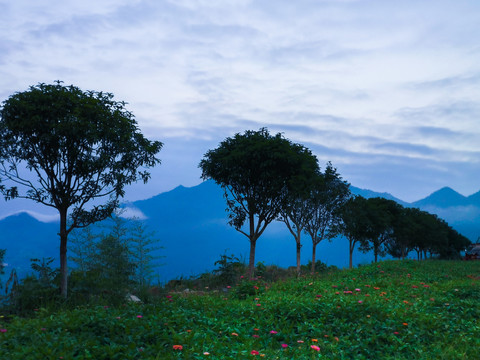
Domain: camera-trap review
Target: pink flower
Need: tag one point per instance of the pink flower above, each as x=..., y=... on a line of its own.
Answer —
x=254, y=352
x=360, y=301
x=255, y=336
x=358, y=290
x=139, y=316
x=315, y=347
x=3, y=330
x=284, y=346
x=273, y=332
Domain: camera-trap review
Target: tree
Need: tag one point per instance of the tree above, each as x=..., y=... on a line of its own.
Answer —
x=354, y=223
x=67, y=148
x=141, y=246
x=297, y=210
x=327, y=198
x=381, y=214
x=256, y=170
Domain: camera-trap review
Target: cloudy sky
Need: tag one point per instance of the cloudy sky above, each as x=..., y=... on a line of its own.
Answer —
x=389, y=91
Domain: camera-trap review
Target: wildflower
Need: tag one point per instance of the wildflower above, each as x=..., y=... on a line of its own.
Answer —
x=254, y=352
x=358, y=290
x=139, y=316
x=319, y=296
x=336, y=338
x=405, y=324
x=3, y=330
x=206, y=353
x=315, y=347
x=256, y=329
x=273, y=332
x=258, y=304
x=284, y=346
x=360, y=301
x=255, y=336
x=177, y=347
x=314, y=340
x=395, y=332
x=300, y=341
x=234, y=334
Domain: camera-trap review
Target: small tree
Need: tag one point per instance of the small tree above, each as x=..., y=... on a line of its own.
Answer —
x=327, y=198
x=142, y=246
x=297, y=210
x=381, y=214
x=79, y=146
x=256, y=170
x=354, y=223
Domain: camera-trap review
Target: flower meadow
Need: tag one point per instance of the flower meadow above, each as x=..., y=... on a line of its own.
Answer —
x=390, y=310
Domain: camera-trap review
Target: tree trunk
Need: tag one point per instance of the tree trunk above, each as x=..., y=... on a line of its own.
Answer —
x=299, y=246
x=63, y=252
x=351, y=247
x=251, y=262
x=376, y=255
x=314, y=250
x=253, y=243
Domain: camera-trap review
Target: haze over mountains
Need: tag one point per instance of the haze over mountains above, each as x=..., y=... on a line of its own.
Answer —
x=191, y=225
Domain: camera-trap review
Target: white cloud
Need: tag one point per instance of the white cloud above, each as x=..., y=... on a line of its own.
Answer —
x=365, y=80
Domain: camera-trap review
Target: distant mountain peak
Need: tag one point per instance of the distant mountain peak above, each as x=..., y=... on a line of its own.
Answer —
x=443, y=198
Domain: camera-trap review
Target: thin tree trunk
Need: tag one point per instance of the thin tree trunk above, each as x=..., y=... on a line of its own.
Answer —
x=63, y=253
x=251, y=263
x=376, y=255
x=314, y=250
x=351, y=247
x=299, y=247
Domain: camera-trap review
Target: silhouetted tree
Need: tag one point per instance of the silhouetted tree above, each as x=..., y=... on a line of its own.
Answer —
x=78, y=147
x=381, y=214
x=256, y=171
x=327, y=198
x=354, y=224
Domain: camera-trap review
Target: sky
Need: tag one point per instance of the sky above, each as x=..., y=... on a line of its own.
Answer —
x=388, y=91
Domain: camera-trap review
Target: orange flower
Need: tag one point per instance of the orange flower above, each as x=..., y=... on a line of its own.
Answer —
x=234, y=334
x=177, y=347
x=314, y=340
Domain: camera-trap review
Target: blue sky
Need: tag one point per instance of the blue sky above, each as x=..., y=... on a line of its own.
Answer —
x=386, y=90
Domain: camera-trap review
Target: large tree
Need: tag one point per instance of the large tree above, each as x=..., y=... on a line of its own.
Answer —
x=69, y=149
x=256, y=170
x=329, y=193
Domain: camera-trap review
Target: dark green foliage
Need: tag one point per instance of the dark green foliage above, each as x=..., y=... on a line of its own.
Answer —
x=328, y=196
x=257, y=170
x=143, y=250
x=114, y=262
x=79, y=146
x=35, y=291
x=229, y=269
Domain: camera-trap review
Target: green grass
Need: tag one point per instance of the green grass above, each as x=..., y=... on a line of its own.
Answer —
x=391, y=310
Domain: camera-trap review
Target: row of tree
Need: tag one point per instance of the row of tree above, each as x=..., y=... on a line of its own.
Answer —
x=69, y=149
x=267, y=177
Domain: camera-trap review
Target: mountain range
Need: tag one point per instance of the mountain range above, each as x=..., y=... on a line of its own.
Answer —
x=191, y=226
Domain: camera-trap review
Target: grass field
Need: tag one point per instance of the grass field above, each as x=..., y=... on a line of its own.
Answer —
x=391, y=310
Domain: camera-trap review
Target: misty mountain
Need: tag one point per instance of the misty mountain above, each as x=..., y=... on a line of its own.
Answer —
x=191, y=225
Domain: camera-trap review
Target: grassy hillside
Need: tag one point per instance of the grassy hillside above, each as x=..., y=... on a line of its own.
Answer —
x=391, y=310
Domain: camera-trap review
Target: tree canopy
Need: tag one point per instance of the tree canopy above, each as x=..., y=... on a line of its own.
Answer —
x=256, y=170
x=69, y=149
